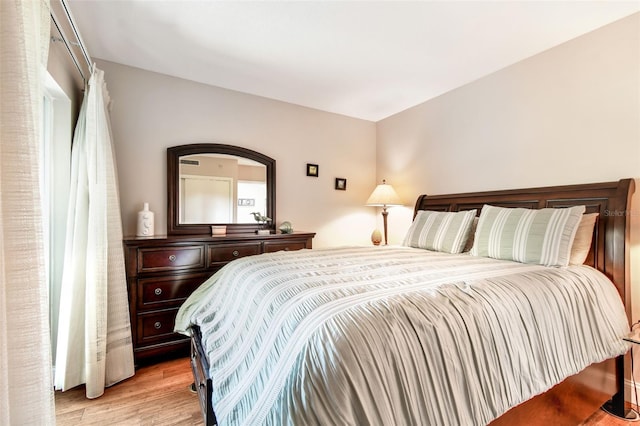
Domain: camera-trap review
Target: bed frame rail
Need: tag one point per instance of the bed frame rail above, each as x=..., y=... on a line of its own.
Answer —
x=202, y=382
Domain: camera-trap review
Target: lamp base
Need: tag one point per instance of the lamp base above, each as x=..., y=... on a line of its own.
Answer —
x=376, y=237
x=385, y=213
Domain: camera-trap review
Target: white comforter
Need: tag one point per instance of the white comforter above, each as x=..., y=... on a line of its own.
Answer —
x=395, y=336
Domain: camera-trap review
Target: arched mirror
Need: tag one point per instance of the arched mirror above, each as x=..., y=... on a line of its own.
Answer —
x=216, y=184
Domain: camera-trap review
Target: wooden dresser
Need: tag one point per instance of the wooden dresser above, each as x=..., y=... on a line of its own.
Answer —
x=163, y=271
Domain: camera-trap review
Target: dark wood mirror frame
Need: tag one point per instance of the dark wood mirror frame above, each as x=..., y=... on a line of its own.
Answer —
x=174, y=227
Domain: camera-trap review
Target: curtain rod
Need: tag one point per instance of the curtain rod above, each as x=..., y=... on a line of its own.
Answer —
x=70, y=24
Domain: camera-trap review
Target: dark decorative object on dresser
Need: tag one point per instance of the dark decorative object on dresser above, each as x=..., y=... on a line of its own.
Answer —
x=163, y=271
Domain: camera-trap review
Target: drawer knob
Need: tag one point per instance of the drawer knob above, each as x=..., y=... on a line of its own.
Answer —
x=158, y=291
x=286, y=249
x=172, y=258
x=157, y=325
x=235, y=253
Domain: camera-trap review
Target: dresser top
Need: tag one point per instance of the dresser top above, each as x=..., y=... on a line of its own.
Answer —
x=163, y=239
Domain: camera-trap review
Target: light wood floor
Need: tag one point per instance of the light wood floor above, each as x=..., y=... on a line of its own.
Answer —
x=159, y=395
x=156, y=395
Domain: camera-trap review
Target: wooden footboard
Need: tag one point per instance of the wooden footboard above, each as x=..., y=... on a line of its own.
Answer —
x=202, y=381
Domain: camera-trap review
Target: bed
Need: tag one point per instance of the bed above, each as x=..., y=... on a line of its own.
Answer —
x=370, y=335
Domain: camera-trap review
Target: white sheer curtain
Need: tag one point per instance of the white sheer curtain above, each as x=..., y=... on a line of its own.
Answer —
x=94, y=333
x=26, y=394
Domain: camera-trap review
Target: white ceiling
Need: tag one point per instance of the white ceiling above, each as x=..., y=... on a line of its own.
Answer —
x=363, y=59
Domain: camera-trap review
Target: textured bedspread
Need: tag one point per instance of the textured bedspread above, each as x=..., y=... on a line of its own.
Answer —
x=395, y=336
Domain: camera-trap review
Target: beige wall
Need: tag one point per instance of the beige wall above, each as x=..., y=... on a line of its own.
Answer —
x=568, y=115
x=152, y=112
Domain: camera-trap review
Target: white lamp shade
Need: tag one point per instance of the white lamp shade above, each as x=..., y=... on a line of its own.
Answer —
x=384, y=195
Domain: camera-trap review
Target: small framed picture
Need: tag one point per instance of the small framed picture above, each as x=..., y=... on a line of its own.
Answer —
x=341, y=184
x=312, y=170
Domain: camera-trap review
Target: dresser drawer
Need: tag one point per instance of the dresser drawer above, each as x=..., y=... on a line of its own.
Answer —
x=271, y=246
x=163, y=271
x=157, y=327
x=158, y=259
x=168, y=290
x=220, y=254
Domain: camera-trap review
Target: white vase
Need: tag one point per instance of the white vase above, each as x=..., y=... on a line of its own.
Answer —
x=145, y=222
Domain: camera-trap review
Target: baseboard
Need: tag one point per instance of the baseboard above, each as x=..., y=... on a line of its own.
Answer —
x=633, y=391
x=608, y=381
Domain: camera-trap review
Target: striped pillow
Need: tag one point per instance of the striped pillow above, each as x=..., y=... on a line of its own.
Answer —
x=542, y=236
x=440, y=231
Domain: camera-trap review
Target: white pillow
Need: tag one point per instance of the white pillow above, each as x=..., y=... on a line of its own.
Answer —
x=472, y=233
x=582, y=241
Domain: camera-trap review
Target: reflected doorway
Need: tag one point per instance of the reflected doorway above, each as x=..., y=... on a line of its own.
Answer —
x=206, y=199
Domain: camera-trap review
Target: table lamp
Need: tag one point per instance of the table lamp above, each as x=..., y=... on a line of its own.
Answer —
x=384, y=196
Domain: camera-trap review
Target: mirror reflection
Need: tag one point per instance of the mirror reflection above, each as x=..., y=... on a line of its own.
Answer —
x=220, y=188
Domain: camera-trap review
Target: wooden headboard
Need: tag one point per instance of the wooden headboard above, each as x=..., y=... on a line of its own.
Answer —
x=609, y=251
